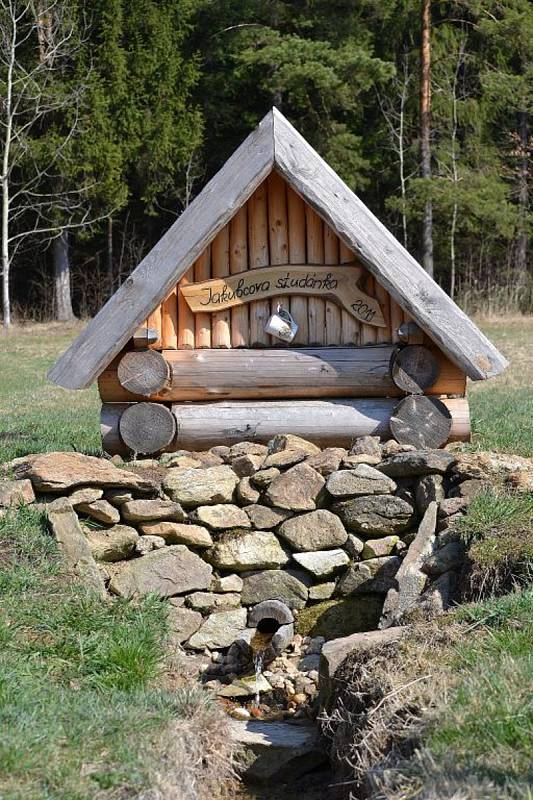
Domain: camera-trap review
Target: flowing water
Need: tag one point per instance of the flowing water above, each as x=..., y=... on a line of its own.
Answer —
x=258, y=664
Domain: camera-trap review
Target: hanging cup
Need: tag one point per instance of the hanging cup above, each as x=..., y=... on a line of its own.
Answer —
x=281, y=325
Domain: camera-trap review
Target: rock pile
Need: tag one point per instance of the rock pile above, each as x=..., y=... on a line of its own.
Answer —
x=220, y=532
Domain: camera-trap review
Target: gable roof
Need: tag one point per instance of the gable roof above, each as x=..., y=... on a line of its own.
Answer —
x=276, y=144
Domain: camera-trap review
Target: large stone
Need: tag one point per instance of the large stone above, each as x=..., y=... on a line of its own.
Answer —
x=327, y=461
x=100, y=510
x=410, y=581
x=285, y=459
x=221, y=517
x=247, y=449
x=152, y=510
x=178, y=533
x=242, y=550
x=418, y=462
x=73, y=544
x=246, y=493
x=374, y=576
x=379, y=515
x=362, y=480
x=298, y=489
x=207, y=601
x=323, y=563
x=219, y=629
x=199, y=487
x=112, y=544
x=59, y=472
x=375, y=548
x=229, y=583
x=288, y=441
x=318, y=530
x=172, y=570
x=16, y=493
x=86, y=495
x=183, y=622
x=274, y=584
x=277, y=751
x=265, y=518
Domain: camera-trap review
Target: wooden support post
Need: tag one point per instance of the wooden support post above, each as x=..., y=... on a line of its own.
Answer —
x=154, y=321
x=238, y=262
x=221, y=321
x=202, y=272
x=315, y=255
x=297, y=255
x=169, y=321
x=351, y=329
x=333, y=311
x=278, y=235
x=382, y=296
x=258, y=257
x=186, y=323
x=396, y=320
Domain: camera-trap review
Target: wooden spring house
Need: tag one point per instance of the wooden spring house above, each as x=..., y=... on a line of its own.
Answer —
x=181, y=354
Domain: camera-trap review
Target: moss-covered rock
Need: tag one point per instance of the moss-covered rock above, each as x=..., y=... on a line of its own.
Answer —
x=335, y=618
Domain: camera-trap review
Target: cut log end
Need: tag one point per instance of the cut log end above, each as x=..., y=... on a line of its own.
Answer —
x=143, y=372
x=414, y=369
x=424, y=422
x=147, y=427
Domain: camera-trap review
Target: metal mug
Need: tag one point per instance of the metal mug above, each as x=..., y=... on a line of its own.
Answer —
x=281, y=325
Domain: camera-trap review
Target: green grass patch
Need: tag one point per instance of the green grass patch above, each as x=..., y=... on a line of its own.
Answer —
x=485, y=727
x=498, y=532
x=80, y=712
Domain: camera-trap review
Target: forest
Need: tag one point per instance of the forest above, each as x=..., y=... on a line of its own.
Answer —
x=114, y=115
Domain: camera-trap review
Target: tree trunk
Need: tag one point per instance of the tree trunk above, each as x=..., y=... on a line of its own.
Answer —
x=523, y=201
x=110, y=276
x=6, y=303
x=63, y=302
x=425, y=130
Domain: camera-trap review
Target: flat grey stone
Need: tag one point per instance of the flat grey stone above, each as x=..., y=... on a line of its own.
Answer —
x=361, y=480
x=373, y=576
x=274, y=584
x=86, y=495
x=322, y=591
x=327, y=461
x=318, y=530
x=112, y=544
x=229, y=583
x=265, y=518
x=221, y=516
x=375, y=548
x=242, y=550
x=375, y=516
x=246, y=493
x=183, y=622
x=206, y=601
x=73, y=544
x=418, y=462
x=288, y=441
x=100, y=510
x=323, y=563
x=178, y=533
x=219, y=630
x=428, y=489
x=172, y=570
x=152, y=510
x=196, y=487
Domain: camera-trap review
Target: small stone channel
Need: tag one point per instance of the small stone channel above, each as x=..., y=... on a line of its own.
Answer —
x=264, y=554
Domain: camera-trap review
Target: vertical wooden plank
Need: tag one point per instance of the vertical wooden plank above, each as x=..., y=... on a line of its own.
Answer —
x=202, y=322
x=185, y=316
x=315, y=255
x=297, y=255
x=333, y=311
x=238, y=262
x=350, y=326
x=154, y=320
x=258, y=257
x=220, y=322
x=169, y=325
x=278, y=235
x=382, y=296
x=368, y=332
x=396, y=319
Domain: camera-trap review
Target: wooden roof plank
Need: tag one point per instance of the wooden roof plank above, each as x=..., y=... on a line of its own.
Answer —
x=159, y=271
x=382, y=254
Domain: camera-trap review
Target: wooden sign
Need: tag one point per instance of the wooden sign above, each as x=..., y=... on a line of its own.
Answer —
x=338, y=283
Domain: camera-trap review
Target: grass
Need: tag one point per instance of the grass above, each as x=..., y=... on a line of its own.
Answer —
x=36, y=416
x=83, y=711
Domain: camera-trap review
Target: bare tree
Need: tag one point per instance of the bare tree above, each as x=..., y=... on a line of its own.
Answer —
x=393, y=108
x=425, y=133
x=36, y=46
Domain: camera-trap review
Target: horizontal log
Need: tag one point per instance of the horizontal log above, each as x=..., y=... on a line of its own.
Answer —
x=280, y=373
x=327, y=423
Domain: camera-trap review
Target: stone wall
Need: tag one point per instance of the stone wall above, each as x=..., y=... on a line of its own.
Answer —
x=345, y=541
